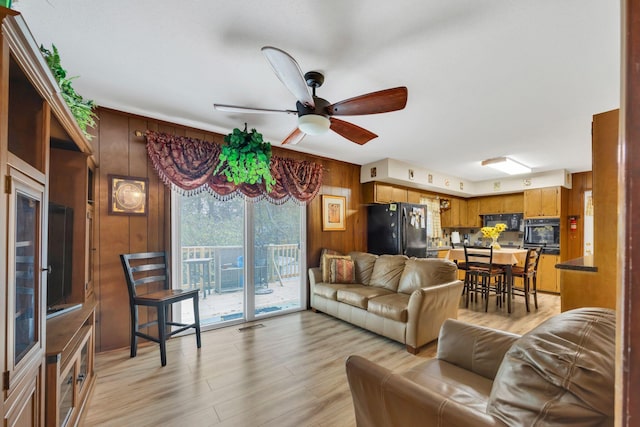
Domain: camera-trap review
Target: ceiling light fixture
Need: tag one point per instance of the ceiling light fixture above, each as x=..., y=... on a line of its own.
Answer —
x=313, y=124
x=507, y=165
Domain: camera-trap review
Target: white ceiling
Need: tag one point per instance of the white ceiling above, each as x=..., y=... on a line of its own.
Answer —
x=486, y=78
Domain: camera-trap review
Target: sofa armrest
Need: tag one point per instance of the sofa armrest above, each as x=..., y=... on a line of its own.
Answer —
x=384, y=399
x=474, y=348
x=428, y=308
x=315, y=276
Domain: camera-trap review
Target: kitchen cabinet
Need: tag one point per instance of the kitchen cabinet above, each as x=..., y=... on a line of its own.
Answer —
x=473, y=213
x=542, y=202
x=414, y=196
x=490, y=205
x=506, y=203
x=513, y=203
x=378, y=192
x=548, y=275
x=456, y=215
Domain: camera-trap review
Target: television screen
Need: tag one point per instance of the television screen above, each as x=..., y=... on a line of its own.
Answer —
x=59, y=254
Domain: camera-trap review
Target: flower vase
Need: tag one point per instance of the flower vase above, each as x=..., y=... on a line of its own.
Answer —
x=494, y=243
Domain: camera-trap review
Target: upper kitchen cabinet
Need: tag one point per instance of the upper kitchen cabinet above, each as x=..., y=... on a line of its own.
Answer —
x=541, y=202
x=506, y=203
x=416, y=196
x=513, y=203
x=489, y=205
x=473, y=213
x=378, y=192
x=456, y=215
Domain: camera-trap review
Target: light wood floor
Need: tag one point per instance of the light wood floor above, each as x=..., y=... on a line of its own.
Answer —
x=289, y=371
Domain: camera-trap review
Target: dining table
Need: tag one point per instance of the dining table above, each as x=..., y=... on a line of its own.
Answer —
x=505, y=257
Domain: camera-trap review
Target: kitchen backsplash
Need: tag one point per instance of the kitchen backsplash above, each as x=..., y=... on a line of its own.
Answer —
x=474, y=236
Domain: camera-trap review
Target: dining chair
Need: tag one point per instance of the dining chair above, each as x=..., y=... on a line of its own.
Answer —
x=462, y=265
x=528, y=273
x=484, y=277
x=148, y=271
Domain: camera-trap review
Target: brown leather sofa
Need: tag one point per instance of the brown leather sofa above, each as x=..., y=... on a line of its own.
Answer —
x=559, y=374
x=405, y=299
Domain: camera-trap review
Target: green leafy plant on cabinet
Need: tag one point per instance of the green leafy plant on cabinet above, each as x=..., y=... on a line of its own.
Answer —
x=81, y=109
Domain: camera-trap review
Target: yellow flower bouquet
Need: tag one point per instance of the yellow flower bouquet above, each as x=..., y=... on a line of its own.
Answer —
x=493, y=233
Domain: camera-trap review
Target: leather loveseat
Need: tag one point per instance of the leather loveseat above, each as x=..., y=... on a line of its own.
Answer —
x=405, y=299
x=559, y=374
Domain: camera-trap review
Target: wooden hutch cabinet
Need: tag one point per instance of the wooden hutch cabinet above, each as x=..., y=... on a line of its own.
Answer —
x=39, y=355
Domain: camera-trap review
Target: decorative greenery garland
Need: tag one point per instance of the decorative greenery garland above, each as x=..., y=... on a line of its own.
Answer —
x=246, y=158
x=81, y=109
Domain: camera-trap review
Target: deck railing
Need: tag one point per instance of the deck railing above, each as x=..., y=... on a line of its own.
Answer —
x=272, y=264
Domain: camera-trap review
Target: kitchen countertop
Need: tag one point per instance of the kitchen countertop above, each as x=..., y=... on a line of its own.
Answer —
x=578, y=264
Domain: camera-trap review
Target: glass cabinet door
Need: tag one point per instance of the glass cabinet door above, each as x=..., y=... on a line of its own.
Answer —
x=25, y=273
x=26, y=289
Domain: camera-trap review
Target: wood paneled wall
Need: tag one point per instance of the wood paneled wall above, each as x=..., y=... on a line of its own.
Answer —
x=581, y=182
x=118, y=151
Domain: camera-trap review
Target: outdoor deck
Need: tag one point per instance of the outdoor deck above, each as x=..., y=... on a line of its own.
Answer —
x=218, y=271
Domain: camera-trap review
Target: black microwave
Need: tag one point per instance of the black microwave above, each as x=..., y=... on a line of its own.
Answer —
x=513, y=221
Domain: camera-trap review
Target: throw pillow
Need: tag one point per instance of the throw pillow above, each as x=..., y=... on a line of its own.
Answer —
x=341, y=271
x=326, y=251
x=325, y=265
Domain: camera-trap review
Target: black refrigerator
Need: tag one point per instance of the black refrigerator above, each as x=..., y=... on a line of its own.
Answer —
x=397, y=228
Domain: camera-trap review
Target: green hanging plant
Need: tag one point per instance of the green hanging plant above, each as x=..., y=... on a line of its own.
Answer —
x=245, y=158
x=81, y=109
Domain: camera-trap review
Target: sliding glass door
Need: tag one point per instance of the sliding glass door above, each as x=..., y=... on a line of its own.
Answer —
x=245, y=258
x=277, y=256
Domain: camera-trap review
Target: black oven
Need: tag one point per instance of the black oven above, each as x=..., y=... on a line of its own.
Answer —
x=543, y=232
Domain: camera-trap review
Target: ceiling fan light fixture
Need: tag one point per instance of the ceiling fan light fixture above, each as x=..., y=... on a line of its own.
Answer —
x=507, y=165
x=313, y=124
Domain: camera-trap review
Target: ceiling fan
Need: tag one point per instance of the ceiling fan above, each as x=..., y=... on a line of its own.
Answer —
x=317, y=115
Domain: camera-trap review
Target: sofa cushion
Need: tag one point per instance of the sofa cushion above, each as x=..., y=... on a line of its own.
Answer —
x=358, y=296
x=329, y=290
x=424, y=272
x=387, y=271
x=560, y=373
x=341, y=271
x=457, y=384
x=325, y=265
x=393, y=306
x=364, y=266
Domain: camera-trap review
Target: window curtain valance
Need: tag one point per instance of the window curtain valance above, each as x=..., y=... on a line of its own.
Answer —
x=187, y=166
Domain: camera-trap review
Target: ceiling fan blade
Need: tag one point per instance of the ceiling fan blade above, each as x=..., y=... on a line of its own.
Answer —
x=352, y=132
x=289, y=73
x=294, y=137
x=236, y=109
x=371, y=103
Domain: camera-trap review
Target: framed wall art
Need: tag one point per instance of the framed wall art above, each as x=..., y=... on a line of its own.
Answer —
x=334, y=212
x=128, y=195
